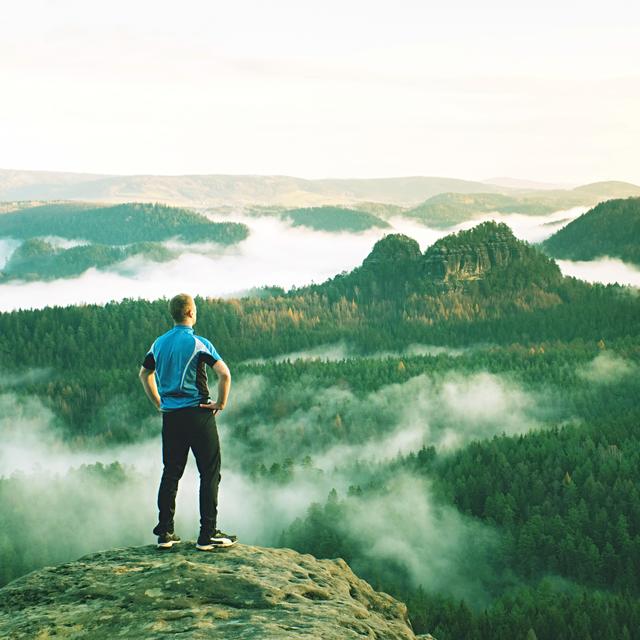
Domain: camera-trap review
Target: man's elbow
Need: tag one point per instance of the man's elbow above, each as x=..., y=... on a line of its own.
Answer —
x=222, y=371
x=144, y=374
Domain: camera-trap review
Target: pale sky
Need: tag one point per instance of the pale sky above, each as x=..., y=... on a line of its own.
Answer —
x=547, y=91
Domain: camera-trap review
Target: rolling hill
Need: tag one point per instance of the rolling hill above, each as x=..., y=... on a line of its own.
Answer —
x=612, y=228
x=557, y=354
x=117, y=224
x=477, y=286
x=448, y=209
x=211, y=190
x=284, y=191
x=334, y=219
x=608, y=189
x=36, y=259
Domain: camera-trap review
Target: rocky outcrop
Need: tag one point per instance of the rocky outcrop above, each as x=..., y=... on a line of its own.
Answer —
x=486, y=248
x=398, y=279
x=467, y=255
x=241, y=592
x=468, y=261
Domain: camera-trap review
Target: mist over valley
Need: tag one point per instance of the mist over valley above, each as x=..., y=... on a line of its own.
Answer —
x=436, y=382
x=60, y=271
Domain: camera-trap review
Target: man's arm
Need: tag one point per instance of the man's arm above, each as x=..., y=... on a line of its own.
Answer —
x=148, y=380
x=224, y=384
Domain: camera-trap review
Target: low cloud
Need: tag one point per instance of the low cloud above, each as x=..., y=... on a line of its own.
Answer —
x=25, y=377
x=336, y=351
x=32, y=438
x=606, y=368
x=526, y=227
x=33, y=454
x=7, y=247
x=332, y=425
x=439, y=548
x=605, y=269
x=26, y=430
x=336, y=426
x=263, y=259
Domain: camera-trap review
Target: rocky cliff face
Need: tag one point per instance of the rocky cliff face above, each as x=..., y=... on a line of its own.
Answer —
x=242, y=592
x=488, y=249
x=396, y=270
x=470, y=261
x=466, y=255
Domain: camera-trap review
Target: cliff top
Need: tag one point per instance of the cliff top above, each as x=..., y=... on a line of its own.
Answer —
x=242, y=592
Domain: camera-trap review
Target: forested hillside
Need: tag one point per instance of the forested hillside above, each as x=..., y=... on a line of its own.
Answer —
x=448, y=209
x=119, y=224
x=334, y=219
x=567, y=504
x=503, y=462
x=611, y=228
x=36, y=259
x=477, y=286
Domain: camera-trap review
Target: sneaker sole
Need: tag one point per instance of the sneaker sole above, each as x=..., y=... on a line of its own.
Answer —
x=167, y=545
x=211, y=547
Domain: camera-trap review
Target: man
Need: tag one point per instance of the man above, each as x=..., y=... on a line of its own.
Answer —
x=174, y=378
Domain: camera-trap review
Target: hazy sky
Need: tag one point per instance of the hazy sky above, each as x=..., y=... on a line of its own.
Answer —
x=546, y=90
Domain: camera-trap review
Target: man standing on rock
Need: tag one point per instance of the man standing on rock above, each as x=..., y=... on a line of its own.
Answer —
x=174, y=378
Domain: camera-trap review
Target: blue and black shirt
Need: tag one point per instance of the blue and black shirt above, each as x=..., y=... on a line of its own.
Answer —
x=179, y=359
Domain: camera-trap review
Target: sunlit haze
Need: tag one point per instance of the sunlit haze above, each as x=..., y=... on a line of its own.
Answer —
x=548, y=91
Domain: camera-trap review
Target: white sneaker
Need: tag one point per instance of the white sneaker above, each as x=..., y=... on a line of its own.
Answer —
x=218, y=539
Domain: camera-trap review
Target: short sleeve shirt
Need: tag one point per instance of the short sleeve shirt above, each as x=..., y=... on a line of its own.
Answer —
x=179, y=359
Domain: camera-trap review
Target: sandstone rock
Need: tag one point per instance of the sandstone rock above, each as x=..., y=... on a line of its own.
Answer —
x=470, y=261
x=241, y=592
x=488, y=248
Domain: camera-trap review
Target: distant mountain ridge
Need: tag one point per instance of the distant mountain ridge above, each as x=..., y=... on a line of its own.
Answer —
x=520, y=183
x=240, y=190
x=292, y=192
x=211, y=190
x=602, y=189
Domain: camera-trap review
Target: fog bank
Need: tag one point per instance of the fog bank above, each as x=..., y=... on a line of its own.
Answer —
x=530, y=228
x=275, y=253
x=605, y=270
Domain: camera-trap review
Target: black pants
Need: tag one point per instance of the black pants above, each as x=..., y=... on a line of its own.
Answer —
x=191, y=428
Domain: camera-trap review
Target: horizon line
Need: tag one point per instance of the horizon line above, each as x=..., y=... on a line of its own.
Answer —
x=569, y=184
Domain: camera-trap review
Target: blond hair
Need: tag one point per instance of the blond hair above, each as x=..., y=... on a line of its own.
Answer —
x=179, y=306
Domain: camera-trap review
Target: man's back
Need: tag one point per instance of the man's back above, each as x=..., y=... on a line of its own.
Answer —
x=179, y=358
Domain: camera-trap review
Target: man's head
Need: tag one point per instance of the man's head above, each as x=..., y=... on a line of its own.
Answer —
x=183, y=309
